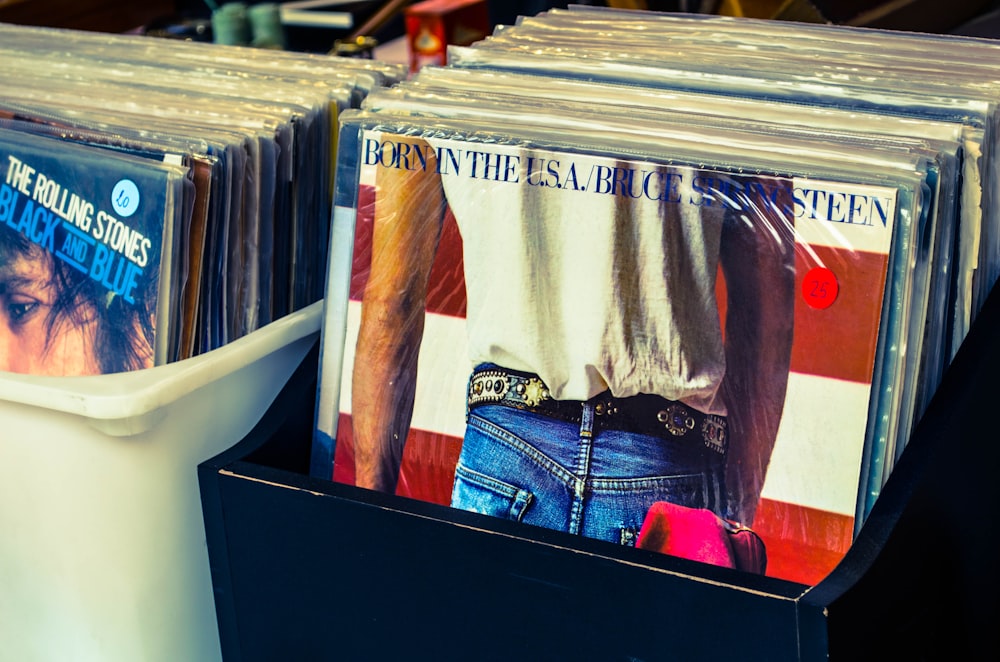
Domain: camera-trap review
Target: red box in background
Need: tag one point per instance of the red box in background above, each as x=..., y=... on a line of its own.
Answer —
x=432, y=25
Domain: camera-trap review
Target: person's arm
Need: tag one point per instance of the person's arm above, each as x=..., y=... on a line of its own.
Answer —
x=758, y=260
x=408, y=214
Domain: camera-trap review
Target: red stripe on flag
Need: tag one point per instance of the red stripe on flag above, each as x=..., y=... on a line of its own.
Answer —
x=803, y=544
x=362, y=241
x=428, y=468
x=446, y=293
x=838, y=341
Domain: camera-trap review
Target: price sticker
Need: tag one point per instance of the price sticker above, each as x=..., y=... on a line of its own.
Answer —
x=820, y=288
x=125, y=198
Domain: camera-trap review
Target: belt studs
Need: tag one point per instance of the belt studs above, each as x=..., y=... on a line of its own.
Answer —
x=676, y=420
x=533, y=391
x=488, y=387
x=608, y=408
x=713, y=431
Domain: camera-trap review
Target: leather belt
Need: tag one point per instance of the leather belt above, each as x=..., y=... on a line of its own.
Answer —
x=642, y=413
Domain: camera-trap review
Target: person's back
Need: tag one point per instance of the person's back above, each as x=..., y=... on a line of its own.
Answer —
x=591, y=289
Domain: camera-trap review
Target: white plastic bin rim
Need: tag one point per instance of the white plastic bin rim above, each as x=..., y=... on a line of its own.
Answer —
x=138, y=395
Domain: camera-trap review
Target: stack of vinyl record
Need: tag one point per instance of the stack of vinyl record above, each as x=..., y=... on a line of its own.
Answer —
x=813, y=205
x=229, y=234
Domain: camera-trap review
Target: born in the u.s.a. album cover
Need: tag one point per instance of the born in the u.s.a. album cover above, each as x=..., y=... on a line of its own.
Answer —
x=569, y=339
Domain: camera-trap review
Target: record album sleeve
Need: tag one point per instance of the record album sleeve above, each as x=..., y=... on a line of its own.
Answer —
x=770, y=290
x=87, y=248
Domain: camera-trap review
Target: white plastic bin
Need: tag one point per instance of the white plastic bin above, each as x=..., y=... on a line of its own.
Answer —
x=102, y=541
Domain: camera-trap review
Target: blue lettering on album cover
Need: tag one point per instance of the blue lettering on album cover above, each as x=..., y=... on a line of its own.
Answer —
x=38, y=224
x=550, y=173
x=396, y=155
x=64, y=224
x=448, y=160
x=542, y=172
x=840, y=207
x=495, y=167
x=636, y=184
x=75, y=248
x=664, y=184
x=8, y=205
x=114, y=272
x=122, y=238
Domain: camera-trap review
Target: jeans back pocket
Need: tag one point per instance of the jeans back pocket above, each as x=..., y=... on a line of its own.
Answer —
x=479, y=493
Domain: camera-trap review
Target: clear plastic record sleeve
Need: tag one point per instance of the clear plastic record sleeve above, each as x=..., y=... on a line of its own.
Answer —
x=920, y=367
x=249, y=295
x=976, y=113
x=849, y=63
x=174, y=115
x=492, y=171
x=193, y=56
x=955, y=147
x=88, y=242
x=850, y=43
x=191, y=212
x=267, y=116
x=213, y=170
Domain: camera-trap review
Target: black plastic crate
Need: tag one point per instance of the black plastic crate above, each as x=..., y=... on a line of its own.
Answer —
x=306, y=569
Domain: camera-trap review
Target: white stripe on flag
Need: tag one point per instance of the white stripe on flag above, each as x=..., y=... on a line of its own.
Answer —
x=817, y=457
x=442, y=376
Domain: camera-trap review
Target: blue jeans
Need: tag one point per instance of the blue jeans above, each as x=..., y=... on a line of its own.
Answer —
x=580, y=479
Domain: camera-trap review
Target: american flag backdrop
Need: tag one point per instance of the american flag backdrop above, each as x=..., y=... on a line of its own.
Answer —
x=807, y=511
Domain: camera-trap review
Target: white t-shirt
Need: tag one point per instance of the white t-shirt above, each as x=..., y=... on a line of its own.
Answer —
x=594, y=291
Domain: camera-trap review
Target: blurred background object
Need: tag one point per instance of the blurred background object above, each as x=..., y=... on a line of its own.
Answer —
x=326, y=26
x=94, y=15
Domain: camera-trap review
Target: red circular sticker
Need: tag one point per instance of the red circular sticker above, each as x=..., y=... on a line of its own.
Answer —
x=820, y=288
